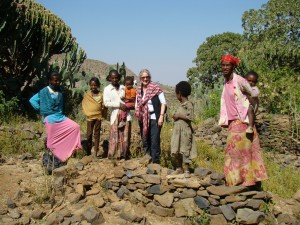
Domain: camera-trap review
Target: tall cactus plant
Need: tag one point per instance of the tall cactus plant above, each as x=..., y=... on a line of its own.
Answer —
x=30, y=35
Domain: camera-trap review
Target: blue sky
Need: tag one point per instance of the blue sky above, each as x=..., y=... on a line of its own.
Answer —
x=160, y=35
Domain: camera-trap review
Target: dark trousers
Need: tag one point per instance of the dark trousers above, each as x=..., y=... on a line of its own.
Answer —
x=151, y=143
x=93, y=127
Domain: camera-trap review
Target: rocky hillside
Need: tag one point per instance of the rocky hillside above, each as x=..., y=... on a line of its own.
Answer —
x=100, y=68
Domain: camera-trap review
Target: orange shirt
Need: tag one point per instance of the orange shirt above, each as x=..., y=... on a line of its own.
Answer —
x=130, y=94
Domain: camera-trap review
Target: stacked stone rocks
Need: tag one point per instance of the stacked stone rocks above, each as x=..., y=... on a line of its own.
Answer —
x=174, y=195
x=97, y=191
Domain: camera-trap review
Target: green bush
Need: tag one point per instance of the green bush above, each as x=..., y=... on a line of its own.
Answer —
x=7, y=107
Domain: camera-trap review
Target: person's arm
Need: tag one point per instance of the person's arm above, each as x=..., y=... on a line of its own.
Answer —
x=163, y=102
x=35, y=101
x=188, y=117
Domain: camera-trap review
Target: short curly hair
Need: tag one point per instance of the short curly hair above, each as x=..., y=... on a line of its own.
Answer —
x=253, y=73
x=184, y=88
x=129, y=78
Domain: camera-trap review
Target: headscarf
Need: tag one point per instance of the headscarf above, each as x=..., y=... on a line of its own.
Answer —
x=230, y=58
x=141, y=108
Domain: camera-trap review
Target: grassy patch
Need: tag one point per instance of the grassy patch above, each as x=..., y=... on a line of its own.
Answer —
x=14, y=139
x=283, y=181
x=209, y=157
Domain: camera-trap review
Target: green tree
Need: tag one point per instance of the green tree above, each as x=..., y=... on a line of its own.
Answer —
x=207, y=70
x=30, y=35
x=272, y=48
x=273, y=34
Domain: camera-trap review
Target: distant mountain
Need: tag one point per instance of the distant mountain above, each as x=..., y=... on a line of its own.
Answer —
x=101, y=68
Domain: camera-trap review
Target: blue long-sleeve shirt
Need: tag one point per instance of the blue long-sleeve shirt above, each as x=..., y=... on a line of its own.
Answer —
x=52, y=118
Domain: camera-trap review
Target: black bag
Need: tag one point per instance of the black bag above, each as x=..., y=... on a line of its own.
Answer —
x=50, y=162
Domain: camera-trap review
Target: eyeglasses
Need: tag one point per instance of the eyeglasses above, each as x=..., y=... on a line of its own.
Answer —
x=146, y=77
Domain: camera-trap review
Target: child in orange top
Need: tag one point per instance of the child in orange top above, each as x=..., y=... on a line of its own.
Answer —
x=130, y=95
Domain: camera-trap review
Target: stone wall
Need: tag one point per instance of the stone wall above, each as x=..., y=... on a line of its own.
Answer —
x=150, y=186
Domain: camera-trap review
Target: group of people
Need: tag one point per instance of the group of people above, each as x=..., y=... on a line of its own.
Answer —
x=239, y=101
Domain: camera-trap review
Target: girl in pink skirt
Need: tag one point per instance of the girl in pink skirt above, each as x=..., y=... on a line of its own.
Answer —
x=63, y=134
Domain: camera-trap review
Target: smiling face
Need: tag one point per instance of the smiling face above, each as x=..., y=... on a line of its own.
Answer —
x=94, y=87
x=145, y=78
x=227, y=69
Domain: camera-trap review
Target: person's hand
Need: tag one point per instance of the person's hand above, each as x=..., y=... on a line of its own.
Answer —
x=161, y=120
x=175, y=116
x=123, y=107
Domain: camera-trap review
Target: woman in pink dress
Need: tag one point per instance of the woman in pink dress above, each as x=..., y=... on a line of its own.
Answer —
x=243, y=158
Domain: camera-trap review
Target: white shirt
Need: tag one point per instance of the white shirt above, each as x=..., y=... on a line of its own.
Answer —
x=162, y=100
x=112, y=98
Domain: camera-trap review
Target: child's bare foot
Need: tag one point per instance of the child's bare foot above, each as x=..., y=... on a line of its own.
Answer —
x=249, y=130
x=121, y=124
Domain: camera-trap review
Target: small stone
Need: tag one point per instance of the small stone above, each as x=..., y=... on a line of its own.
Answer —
x=154, y=189
x=213, y=201
x=158, y=210
x=11, y=204
x=14, y=213
x=201, y=202
x=189, y=183
x=225, y=190
x=218, y=220
x=123, y=190
x=24, y=220
x=80, y=190
x=79, y=166
x=187, y=193
x=129, y=174
x=118, y=206
x=255, y=203
x=152, y=179
x=165, y=200
x=235, y=198
x=248, y=216
x=91, y=215
x=202, y=193
x=131, y=187
x=98, y=201
x=73, y=198
x=118, y=173
x=93, y=191
x=217, y=176
x=38, y=214
x=214, y=210
x=154, y=167
x=202, y=172
x=186, y=207
x=237, y=205
x=228, y=212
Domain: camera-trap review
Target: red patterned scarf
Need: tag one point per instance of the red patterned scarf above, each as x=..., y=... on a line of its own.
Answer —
x=141, y=108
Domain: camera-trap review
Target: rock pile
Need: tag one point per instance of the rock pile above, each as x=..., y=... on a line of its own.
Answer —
x=93, y=191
